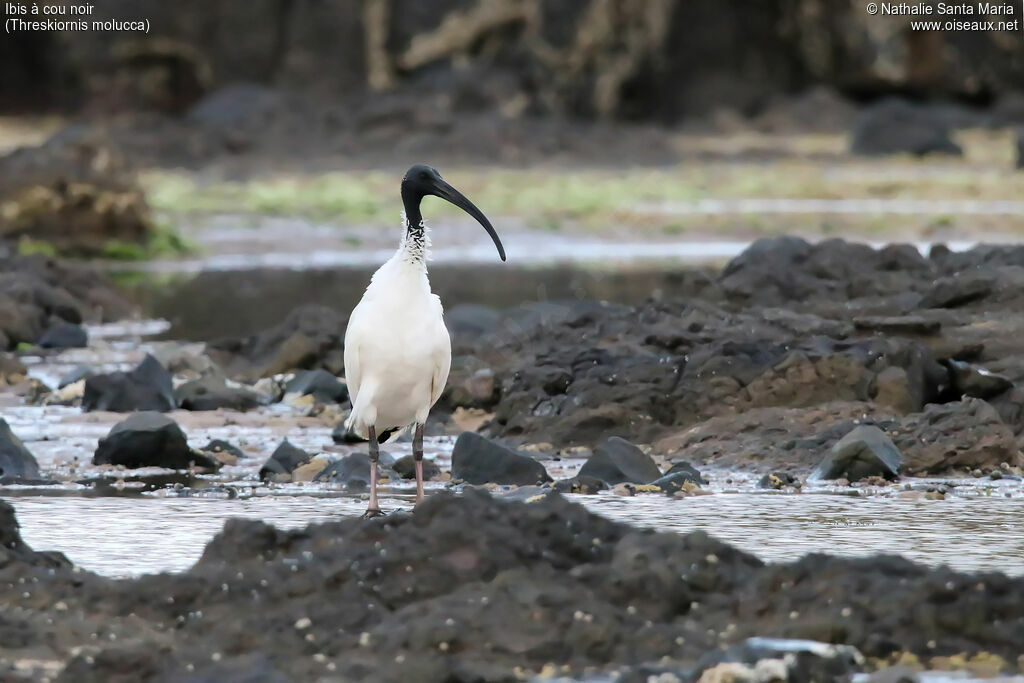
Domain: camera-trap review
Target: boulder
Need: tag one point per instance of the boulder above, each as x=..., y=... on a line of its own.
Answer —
x=320, y=384
x=974, y=381
x=896, y=126
x=405, y=467
x=149, y=439
x=147, y=387
x=777, y=481
x=212, y=393
x=285, y=459
x=478, y=460
x=866, y=451
x=958, y=289
x=64, y=335
x=616, y=461
x=311, y=337
x=353, y=471
x=15, y=460
x=678, y=476
x=221, y=446
x=960, y=436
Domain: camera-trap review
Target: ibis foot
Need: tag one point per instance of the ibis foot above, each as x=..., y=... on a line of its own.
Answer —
x=375, y=512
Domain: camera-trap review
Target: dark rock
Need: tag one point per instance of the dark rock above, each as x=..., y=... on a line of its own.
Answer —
x=958, y=289
x=895, y=126
x=341, y=434
x=902, y=324
x=616, y=461
x=77, y=374
x=320, y=384
x=212, y=393
x=677, y=481
x=802, y=661
x=221, y=446
x=958, y=436
x=581, y=484
x=406, y=468
x=971, y=380
x=492, y=585
x=15, y=459
x=866, y=451
x=352, y=470
x=64, y=335
x=777, y=480
x=283, y=461
x=684, y=467
x=467, y=322
x=477, y=460
x=147, y=387
x=149, y=439
x=311, y=337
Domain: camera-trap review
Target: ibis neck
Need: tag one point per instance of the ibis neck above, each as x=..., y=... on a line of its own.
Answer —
x=415, y=246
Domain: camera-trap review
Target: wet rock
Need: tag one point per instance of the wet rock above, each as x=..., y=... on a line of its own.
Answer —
x=962, y=435
x=901, y=324
x=213, y=393
x=64, y=335
x=320, y=384
x=958, y=289
x=405, y=467
x=15, y=460
x=353, y=471
x=895, y=126
x=14, y=551
x=185, y=360
x=864, y=452
x=894, y=674
x=777, y=481
x=974, y=381
x=79, y=373
x=149, y=439
x=478, y=460
x=341, y=434
x=221, y=446
x=283, y=461
x=583, y=485
x=147, y=387
x=787, y=659
x=616, y=461
x=529, y=494
x=311, y=337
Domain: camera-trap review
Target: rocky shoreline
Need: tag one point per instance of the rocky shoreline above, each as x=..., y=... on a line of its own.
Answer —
x=797, y=363
x=546, y=589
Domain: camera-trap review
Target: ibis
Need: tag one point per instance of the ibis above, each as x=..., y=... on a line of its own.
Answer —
x=397, y=348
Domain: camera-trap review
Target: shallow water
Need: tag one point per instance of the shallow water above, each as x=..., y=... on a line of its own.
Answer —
x=127, y=536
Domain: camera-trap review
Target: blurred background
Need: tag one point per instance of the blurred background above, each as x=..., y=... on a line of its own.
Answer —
x=242, y=158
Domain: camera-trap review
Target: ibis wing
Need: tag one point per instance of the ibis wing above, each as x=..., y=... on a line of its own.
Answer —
x=352, y=371
x=442, y=363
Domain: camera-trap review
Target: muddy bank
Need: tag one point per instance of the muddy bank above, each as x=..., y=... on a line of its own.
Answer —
x=424, y=596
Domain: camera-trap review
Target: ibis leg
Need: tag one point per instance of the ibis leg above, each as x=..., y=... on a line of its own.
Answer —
x=417, y=454
x=373, y=509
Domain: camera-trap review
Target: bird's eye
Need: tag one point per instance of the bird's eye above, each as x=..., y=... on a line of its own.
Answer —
x=424, y=175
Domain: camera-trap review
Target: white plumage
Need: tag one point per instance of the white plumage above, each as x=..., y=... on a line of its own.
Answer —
x=397, y=349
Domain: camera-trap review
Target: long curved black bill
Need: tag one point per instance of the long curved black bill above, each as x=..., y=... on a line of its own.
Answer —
x=450, y=194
